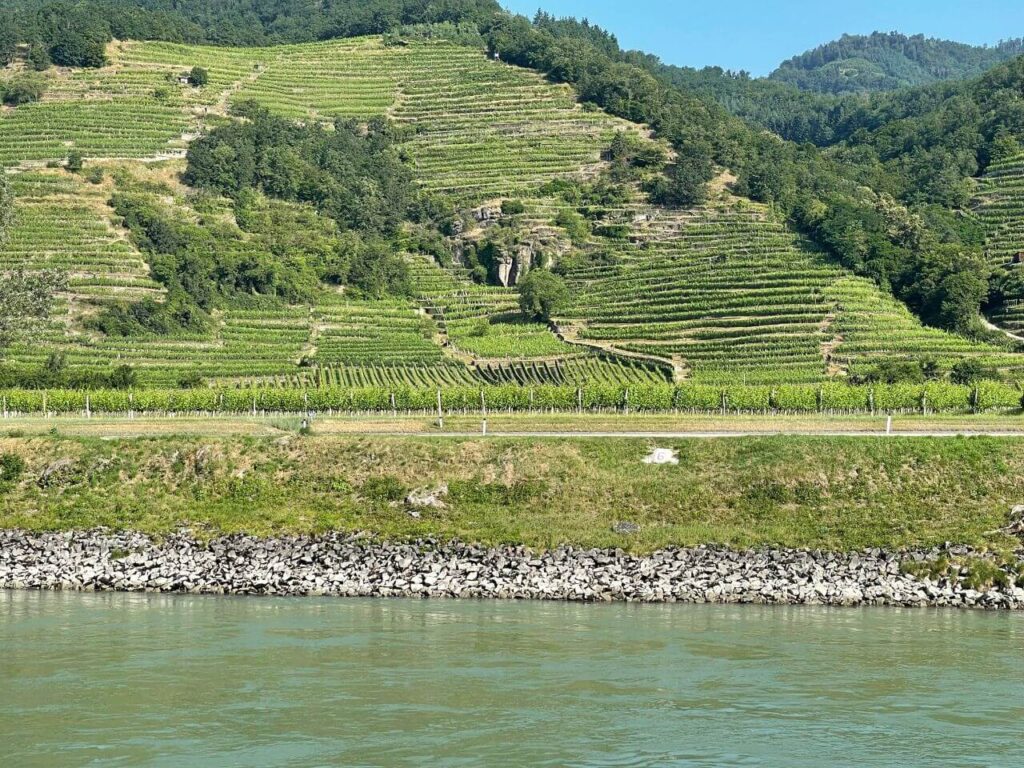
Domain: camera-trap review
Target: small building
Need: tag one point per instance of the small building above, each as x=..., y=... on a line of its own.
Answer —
x=1018, y=258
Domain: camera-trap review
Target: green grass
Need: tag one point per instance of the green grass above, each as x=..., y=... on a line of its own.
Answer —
x=835, y=493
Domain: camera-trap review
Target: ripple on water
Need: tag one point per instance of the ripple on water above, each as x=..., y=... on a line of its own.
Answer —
x=167, y=681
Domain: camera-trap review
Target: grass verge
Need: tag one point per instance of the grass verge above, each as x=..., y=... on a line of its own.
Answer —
x=836, y=493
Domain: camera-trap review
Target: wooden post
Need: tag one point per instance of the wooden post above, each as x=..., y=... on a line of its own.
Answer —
x=88, y=408
x=579, y=399
x=5, y=406
x=440, y=413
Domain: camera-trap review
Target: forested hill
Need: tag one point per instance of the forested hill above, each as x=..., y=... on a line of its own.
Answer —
x=888, y=61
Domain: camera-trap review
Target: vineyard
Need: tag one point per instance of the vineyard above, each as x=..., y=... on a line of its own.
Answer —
x=515, y=397
x=731, y=295
x=62, y=222
x=999, y=206
x=723, y=296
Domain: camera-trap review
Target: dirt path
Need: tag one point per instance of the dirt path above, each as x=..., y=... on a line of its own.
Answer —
x=993, y=327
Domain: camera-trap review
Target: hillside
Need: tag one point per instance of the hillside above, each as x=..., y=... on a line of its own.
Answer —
x=886, y=62
x=719, y=294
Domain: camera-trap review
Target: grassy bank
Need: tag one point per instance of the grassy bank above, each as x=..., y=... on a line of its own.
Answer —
x=837, y=493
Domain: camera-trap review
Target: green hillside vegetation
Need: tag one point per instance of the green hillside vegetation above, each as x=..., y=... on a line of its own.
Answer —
x=889, y=61
x=357, y=212
x=474, y=131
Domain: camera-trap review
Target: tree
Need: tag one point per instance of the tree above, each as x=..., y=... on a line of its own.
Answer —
x=198, y=77
x=969, y=371
x=23, y=89
x=685, y=183
x=542, y=295
x=75, y=48
x=75, y=161
x=39, y=57
x=25, y=303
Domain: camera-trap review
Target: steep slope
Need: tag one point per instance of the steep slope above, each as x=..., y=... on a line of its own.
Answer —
x=999, y=206
x=725, y=293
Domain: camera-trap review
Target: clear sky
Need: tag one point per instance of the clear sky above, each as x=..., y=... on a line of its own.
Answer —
x=757, y=35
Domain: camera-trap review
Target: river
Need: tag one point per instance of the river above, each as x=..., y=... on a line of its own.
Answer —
x=149, y=680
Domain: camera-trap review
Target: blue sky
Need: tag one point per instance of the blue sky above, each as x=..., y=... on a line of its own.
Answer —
x=757, y=36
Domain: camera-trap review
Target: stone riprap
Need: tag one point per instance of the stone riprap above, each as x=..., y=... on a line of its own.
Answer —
x=359, y=566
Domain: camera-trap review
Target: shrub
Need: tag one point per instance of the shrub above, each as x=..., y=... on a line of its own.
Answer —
x=75, y=161
x=12, y=467
x=24, y=89
x=74, y=48
x=198, y=77
x=513, y=207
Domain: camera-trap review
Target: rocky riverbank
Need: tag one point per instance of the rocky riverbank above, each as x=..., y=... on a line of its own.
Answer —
x=356, y=565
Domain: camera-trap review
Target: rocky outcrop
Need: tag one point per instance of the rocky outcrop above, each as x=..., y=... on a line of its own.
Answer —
x=356, y=565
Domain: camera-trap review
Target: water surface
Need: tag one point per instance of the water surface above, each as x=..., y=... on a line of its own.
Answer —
x=144, y=680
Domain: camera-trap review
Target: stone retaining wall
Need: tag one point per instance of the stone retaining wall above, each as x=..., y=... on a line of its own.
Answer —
x=357, y=565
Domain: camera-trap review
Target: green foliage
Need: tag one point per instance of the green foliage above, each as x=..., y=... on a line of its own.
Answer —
x=513, y=207
x=6, y=207
x=12, y=467
x=880, y=62
x=39, y=57
x=209, y=262
x=383, y=490
x=542, y=294
x=198, y=77
x=685, y=183
x=837, y=397
x=350, y=173
x=83, y=45
x=75, y=161
x=25, y=303
x=23, y=89
x=575, y=226
x=970, y=372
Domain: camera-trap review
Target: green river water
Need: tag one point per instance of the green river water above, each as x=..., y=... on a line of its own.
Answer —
x=147, y=680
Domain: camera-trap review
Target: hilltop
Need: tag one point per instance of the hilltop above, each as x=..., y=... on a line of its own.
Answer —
x=889, y=61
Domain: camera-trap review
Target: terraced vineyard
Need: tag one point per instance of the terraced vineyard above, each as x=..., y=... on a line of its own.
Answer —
x=999, y=205
x=62, y=222
x=729, y=295
x=721, y=295
x=482, y=129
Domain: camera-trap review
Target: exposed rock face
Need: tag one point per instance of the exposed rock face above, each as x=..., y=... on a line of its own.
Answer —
x=354, y=565
x=513, y=268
